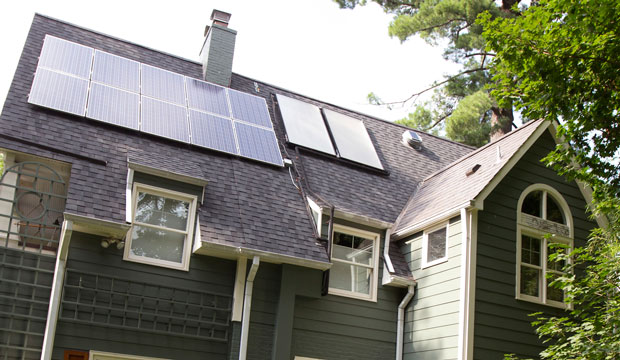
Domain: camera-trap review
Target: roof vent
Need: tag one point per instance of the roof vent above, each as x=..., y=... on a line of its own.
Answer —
x=411, y=138
x=473, y=169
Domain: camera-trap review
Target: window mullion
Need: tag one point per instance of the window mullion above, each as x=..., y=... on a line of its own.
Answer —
x=160, y=227
x=352, y=263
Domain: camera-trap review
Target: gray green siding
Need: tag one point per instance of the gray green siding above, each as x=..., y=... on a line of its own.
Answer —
x=206, y=274
x=502, y=324
x=432, y=317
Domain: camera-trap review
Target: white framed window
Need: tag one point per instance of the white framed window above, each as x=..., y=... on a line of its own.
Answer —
x=100, y=355
x=543, y=219
x=355, y=258
x=162, y=227
x=435, y=245
x=317, y=215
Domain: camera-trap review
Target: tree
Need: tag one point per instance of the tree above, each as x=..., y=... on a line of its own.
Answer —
x=559, y=60
x=460, y=101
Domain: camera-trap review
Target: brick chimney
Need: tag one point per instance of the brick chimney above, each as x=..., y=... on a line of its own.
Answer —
x=218, y=49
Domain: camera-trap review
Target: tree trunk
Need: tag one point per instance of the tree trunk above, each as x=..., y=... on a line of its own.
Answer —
x=501, y=122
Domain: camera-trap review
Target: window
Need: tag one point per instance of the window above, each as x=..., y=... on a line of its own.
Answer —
x=543, y=220
x=355, y=263
x=435, y=245
x=162, y=227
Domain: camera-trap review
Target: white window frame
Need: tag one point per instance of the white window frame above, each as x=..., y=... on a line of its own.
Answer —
x=189, y=233
x=315, y=208
x=376, y=237
x=101, y=355
x=528, y=228
x=425, y=262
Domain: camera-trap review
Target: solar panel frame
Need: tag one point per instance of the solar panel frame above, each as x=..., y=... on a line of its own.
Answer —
x=66, y=57
x=116, y=71
x=196, y=99
x=258, y=143
x=113, y=106
x=213, y=132
x=159, y=118
x=59, y=91
x=352, y=139
x=304, y=124
x=249, y=108
x=162, y=84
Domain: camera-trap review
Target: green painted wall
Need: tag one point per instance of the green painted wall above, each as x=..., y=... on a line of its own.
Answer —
x=206, y=274
x=432, y=317
x=502, y=324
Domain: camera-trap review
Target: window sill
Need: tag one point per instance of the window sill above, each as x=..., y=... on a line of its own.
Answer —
x=434, y=262
x=352, y=295
x=537, y=301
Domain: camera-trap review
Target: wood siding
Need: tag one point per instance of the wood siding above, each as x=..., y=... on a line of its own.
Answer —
x=432, y=317
x=502, y=324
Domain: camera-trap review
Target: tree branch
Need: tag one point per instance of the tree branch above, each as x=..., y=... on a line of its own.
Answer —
x=439, y=25
x=479, y=53
x=440, y=119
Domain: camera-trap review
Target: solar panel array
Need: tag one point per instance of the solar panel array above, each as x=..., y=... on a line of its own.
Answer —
x=83, y=81
x=305, y=126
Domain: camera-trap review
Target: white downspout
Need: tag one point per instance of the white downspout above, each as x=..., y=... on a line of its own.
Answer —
x=400, y=327
x=247, y=305
x=55, y=296
x=386, y=250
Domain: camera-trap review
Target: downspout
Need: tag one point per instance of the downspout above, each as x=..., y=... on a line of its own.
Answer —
x=386, y=250
x=400, y=327
x=247, y=305
x=56, y=294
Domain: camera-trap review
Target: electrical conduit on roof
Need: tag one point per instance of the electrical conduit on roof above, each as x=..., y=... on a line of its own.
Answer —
x=247, y=305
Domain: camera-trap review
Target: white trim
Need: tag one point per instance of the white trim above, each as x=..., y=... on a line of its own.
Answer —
x=237, y=311
x=128, y=195
x=376, y=237
x=467, y=283
x=444, y=216
x=471, y=304
x=319, y=222
x=362, y=220
x=100, y=355
x=425, y=262
x=188, y=232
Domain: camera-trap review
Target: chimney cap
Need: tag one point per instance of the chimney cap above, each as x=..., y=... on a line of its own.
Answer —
x=219, y=16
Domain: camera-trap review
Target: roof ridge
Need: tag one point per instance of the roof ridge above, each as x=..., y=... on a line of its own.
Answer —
x=480, y=149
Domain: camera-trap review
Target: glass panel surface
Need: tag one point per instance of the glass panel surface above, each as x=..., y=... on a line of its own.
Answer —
x=258, y=143
x=157, y=244
x=532, y=204
x=249, y=108
x=304, y=124
x=341, y=276
x=554, y=213
x=66, y=56
x=353, y=248
x=163, y=85
x=555, y=265
x=529, y=281
x=530, y=250
x=362, y=280
x=212, y=132
x=352, y=139
x=207, y=97
x=161, y=211
x=164, y=119
x=113, y=106
x=554, y=293
x=437, y=245
x=59, y=91
x=116, y=71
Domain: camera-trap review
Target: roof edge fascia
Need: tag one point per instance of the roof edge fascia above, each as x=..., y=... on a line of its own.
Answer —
x=421, y=225
x=396, y=280
x=234, y=252
x=167, y=174
x=95, y=226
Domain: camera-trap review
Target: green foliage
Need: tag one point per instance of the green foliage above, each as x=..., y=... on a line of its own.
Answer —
x=559, y=61
x=420, y=119
x=469, y=121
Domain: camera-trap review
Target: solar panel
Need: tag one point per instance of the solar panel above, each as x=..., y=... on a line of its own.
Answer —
x=258, y=143
x=304, y=124
x=163, y=85
x=59, y=91
x=65, y=56
x=207, y=97
x=249, y=108
x=116, y=71
x=212, y=132
x=352, y=139
x=164, y=119
x=113, y=106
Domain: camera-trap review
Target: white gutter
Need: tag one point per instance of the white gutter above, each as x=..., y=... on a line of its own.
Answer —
x=247, y=305
x=59, y=279
x=400, y=326
x=386, y=250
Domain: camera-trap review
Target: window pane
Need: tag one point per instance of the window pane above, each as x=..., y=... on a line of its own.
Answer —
x=532, y=204
x=530, y=250
x=353, y=248
x=529, y=281
x=554, y=213
x=157, y=244
x=436, y=245
x=361, y=279
x=555, y=265
x=554, y=293
x=340, y=277
x=161, y=211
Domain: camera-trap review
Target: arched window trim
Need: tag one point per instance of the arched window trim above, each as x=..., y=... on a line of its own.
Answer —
x=539, y=227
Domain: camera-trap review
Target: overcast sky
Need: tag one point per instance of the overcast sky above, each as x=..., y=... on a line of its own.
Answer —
x=308, y=46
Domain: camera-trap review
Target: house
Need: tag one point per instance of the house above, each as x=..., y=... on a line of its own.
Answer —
x=154, y=207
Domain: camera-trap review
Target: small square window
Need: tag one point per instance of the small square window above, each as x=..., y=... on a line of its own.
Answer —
x=162, y=227
x=435, y=246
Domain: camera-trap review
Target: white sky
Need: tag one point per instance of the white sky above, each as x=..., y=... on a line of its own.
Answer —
x=308, y=46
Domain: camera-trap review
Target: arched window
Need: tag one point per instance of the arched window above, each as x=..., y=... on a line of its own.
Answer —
x=543, y=218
